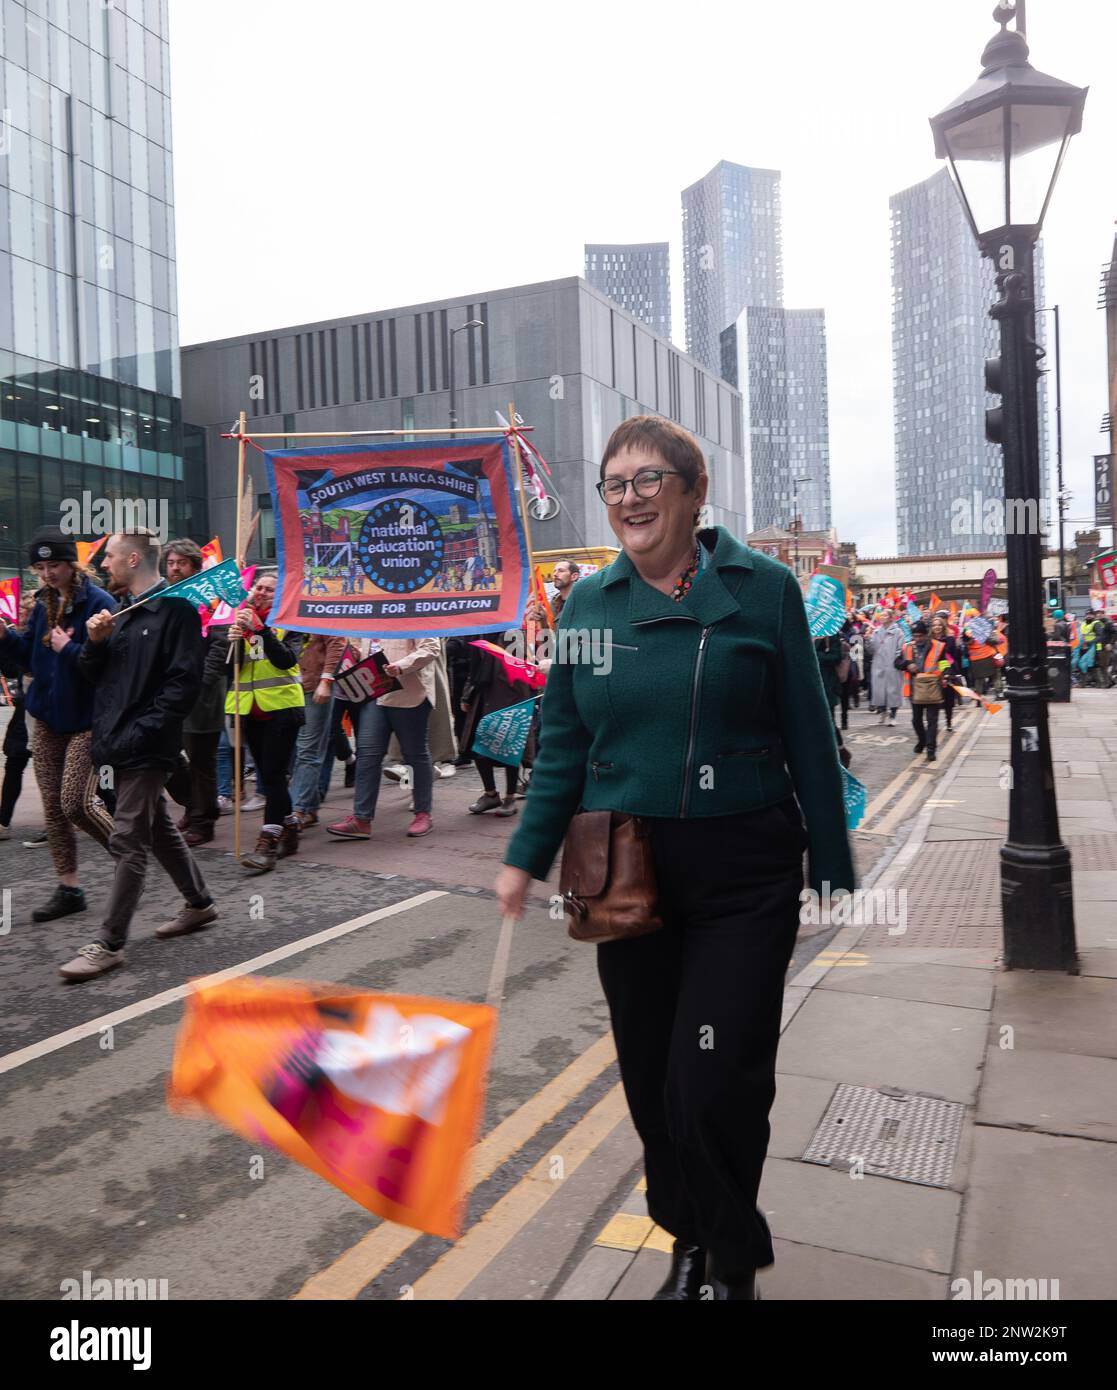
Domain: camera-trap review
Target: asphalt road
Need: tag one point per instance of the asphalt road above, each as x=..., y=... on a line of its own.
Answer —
x=98, y=1175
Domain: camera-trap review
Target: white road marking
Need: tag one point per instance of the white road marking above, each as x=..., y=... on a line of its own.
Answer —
x=169, y=996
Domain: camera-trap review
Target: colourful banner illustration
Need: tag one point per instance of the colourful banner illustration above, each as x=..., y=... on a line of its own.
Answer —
x=1107, y=568
x=9, y=600
x=379, y=1094
x=826, y=605
x=398, y=540
x=502, y=735
x=220, y=583
x=854, y=796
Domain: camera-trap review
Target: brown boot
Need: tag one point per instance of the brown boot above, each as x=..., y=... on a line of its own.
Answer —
x=289, y=840
x=263, y=857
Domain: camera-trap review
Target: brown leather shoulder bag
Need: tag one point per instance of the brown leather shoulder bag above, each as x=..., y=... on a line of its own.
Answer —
x=608, y=880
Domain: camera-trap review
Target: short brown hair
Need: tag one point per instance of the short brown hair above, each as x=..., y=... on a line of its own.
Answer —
x=146, y=545
x=679, y=448
x=188, y=549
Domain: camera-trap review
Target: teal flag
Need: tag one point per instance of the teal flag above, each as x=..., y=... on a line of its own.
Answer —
x=219, y=584
x=502, y=735
x=826, y=605
x=854, y=796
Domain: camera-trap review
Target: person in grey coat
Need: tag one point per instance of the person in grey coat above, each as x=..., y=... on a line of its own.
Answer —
x=887, y=684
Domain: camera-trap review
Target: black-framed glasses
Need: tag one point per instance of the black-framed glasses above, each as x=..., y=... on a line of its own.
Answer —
x=646, y=484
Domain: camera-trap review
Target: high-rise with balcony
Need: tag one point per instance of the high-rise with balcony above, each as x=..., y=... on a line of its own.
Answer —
x=637, y=277
x=731, y=252
x=949, y=479
x=89, y=367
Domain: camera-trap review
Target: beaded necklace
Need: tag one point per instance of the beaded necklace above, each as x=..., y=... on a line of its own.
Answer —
x=686, y=579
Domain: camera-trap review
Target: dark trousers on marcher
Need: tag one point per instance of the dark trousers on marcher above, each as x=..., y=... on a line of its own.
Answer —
x=271, y=743
x=695, y=1009
x=17, y=754
x=143, y=826
x=194, y=787
x=925, y=721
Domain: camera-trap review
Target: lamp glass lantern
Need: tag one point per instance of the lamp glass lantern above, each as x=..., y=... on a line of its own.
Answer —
x=1005, y=138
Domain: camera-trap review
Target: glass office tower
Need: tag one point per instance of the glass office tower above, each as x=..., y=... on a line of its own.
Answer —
x=89, y=367
x=637, y=277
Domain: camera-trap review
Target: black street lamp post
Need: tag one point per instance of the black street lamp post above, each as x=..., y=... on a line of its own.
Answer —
x=473, y=323
x=1005, y=139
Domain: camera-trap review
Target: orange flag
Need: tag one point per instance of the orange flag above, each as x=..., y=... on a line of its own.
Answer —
x=211, y=553
x=934, y=603
x=541, y=596
x=88, y=549
x=9, y=600
x=380, y=1094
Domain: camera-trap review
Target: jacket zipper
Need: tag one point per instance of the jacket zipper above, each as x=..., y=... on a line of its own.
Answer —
x=605, y=767
x=695, y=687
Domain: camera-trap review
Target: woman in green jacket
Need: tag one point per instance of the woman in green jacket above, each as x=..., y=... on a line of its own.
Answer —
x=710, y=721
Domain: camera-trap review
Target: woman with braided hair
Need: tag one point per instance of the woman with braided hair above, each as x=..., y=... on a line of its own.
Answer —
x=60, y=703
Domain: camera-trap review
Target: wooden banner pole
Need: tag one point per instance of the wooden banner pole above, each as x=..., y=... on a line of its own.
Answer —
x=522, y=486
x=242, y=448
x=364, y=434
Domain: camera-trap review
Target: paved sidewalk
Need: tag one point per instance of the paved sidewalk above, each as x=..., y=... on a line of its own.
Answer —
x=1014, y=1178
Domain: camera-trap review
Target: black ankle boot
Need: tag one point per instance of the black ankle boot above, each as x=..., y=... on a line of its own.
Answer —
x=736, y=1287
x=688, y=1274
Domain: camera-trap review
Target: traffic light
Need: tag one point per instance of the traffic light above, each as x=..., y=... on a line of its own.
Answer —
x=1052, y=587
x=994, y=385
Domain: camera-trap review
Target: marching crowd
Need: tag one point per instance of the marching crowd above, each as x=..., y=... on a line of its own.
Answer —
x=115, y=709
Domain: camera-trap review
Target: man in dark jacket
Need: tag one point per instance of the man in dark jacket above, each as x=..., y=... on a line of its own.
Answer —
x=194, y=786
x=146, y=665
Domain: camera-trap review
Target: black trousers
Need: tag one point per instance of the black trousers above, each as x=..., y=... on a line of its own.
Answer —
x=17, y=754
x=696, y=1010
x=925, y=721
x=194, y=787
x=271, y=743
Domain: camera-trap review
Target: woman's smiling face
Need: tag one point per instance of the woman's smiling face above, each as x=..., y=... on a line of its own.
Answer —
x=662, y=524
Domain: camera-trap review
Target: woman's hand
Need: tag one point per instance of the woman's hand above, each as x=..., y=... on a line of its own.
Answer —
x=60, y=640
x=322, y=693
x=510, y=888
x=392, y=669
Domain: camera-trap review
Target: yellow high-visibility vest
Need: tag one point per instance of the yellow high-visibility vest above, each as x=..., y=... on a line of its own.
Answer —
x=270, y=687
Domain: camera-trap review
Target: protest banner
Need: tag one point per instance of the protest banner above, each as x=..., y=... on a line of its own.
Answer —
x=502, y=735
x=854, y=797
x=412, y=539
x=988, y=584
x=979, y=629
x=367, y=680
x=826, y=605
x=1107, y=569
x=9, y=600
x=515, y=668
x=379, y=1094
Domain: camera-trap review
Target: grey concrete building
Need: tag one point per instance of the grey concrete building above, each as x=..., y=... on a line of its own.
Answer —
x=732, y=254
x=89, y=366
x=574, y=363
x=777, y=357
x=637, y=277
x=946, y=472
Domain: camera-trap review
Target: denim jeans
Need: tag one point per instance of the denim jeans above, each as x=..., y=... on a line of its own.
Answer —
x=314, y=744
x=375, y=726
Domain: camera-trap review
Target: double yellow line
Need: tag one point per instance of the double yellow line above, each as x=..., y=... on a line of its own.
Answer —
x=914, y=769
x=459, y=1266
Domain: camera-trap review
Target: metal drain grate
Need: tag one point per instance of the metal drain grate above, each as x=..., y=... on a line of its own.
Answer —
x=894, y=1134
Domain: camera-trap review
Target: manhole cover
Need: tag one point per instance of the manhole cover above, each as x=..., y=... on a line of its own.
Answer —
x=893, y=1134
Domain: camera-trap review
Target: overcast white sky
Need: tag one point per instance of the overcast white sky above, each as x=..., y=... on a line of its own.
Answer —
x=341, y=156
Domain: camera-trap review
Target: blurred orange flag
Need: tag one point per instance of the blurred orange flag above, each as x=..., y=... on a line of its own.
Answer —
x=211, y=553
x=88, y=549
x=380, y=1094
x=934, y=603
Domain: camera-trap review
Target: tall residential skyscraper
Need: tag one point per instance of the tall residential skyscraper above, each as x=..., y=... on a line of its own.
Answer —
x=946, y=472
x=89, y=369
x=731, y=252
x=777, y=360
x=637, y=277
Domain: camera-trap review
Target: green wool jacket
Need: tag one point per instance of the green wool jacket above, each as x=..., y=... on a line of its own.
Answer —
x=712, y=706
